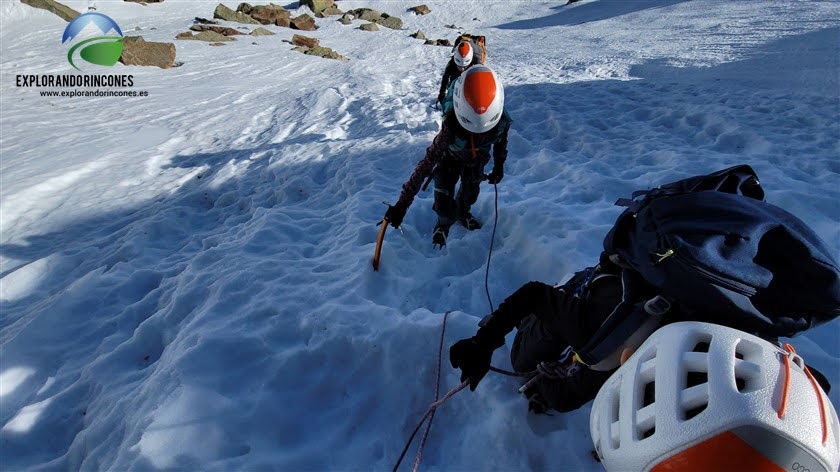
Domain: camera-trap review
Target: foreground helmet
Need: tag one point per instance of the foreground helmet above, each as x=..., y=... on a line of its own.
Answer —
x=698, y=396
x=478, y=99
x=463, y=54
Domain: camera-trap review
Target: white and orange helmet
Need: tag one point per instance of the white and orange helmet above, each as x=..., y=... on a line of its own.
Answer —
x=702, y=397
x=479, y=99
x=463, y=54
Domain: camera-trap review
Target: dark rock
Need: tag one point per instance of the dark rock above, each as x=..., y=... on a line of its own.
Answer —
x=271, y=15
x=218, y=29
x=304, y=22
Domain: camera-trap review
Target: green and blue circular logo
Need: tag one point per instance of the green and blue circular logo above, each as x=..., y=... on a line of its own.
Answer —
x=103, y=48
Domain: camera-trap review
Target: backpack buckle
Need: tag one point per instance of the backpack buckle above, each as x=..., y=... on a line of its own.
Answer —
x=657, y=306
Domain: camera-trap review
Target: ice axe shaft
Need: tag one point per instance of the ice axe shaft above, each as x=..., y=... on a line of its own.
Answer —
x=379, y=239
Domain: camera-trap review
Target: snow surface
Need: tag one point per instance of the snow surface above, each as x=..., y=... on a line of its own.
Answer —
x=186, y=277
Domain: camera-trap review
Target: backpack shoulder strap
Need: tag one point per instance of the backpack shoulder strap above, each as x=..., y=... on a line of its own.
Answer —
x=629, y=324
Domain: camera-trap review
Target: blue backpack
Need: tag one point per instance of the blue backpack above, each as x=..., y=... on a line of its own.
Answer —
x=714, y=250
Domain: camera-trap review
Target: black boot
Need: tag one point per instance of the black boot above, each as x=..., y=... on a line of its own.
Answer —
x=440, y=234
x=469, y=221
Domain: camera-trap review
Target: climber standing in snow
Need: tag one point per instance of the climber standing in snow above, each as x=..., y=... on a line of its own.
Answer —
x=474, y=121
x=462, y=58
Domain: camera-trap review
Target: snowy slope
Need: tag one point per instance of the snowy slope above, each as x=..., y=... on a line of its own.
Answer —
x=186, y=278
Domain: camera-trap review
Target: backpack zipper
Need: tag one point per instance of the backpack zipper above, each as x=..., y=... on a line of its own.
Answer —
x=706, y=273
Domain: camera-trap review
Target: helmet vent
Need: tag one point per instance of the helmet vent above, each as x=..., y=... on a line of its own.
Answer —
x=702, y=346
x=695, y=396
x=650, y=394
x=747, y=372
x=649, y=398
x=615, y=427
x=646, y=396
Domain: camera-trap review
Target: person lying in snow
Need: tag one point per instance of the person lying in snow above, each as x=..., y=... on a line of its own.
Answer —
x=549, y=319
x=705, y=248
x=552, y=323
x=474, y=121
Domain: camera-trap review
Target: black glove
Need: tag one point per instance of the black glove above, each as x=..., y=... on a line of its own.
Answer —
x=473, y=358
x=497, y=174
x=440, y=99
x=396, y=213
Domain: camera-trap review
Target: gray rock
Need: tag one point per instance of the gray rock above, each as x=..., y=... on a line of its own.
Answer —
x=317, y=6
x=367, y=14
x=418, y=35
x=63, y=11
x=346, y=19
x=224, y=13
x=373, y=16
x=369, y=27
x=420, y=10
x=327, y=53
x=261, y=32
x=331, y=11
x=391, y=22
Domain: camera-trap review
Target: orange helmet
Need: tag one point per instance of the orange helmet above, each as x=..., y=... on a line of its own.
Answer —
x=478, y=99
x=463, y=54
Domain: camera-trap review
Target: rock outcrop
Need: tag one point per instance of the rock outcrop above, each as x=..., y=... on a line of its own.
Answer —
x=138, y=52
x=63, y=11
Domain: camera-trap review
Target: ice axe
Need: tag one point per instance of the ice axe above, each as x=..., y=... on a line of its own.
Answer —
x=379, y=239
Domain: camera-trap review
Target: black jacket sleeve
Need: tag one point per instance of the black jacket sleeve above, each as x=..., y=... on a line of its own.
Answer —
x=570, y=313
x=449, y=74
x=537, y=298
x=500, y=149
